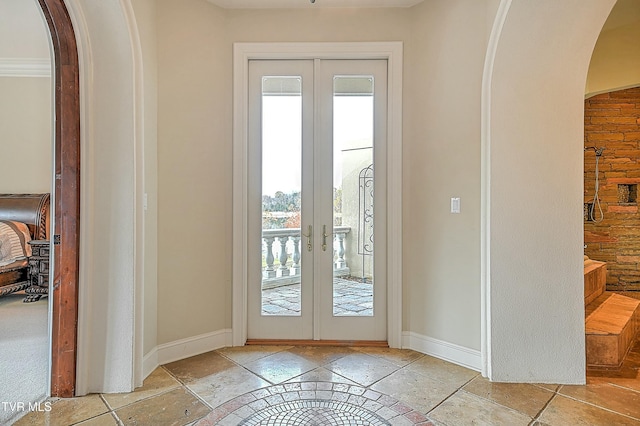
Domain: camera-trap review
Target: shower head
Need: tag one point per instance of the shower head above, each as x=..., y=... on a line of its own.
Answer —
x=598, y=151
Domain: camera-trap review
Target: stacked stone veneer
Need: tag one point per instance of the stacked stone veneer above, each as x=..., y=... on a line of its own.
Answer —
x=612, y=120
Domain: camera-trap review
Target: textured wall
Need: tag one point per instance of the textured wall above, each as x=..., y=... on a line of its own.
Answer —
x=612, y=121
x=535, y=204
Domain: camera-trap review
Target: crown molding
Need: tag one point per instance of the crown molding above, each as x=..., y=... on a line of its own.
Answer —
x=25, y=67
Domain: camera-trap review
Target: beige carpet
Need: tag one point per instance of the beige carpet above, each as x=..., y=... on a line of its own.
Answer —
x=24, y=351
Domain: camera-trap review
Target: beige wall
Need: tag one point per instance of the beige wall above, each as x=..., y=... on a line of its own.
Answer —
x=194, y=170
x=25, y=134
x=145, y=15
x=615, y=63
x=23, y=33
x=25, y=102
x=443, y=70
x=289, y=25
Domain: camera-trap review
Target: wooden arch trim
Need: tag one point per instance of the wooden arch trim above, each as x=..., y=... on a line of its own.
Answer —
x=67, y=198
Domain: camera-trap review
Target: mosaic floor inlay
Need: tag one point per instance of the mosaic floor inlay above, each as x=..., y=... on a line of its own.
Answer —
x=314, y=403
x=314, y=412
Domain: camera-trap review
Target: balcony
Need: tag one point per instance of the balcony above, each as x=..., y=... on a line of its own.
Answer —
x=352, y=296
x=284, y=246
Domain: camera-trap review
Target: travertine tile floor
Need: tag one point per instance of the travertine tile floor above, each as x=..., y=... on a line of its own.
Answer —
x=379, y=386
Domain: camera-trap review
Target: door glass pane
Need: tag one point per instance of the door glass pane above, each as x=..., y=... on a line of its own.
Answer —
x=353, y=195
x=281, y=191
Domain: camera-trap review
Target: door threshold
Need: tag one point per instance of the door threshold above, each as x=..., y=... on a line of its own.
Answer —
x=295, y=342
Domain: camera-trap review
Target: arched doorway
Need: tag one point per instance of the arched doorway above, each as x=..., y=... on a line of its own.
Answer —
x=67, y=198
x=532, y=143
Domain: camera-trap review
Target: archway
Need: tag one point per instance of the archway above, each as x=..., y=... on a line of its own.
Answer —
x=532, y=109
x=67, y=198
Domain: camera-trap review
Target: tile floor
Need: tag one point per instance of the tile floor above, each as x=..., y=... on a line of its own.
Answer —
x=283, y=385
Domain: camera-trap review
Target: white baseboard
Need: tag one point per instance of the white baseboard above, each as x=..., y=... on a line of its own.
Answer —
x=149, y=362
x=451, y=352
x=185, y=348
x=196, y=345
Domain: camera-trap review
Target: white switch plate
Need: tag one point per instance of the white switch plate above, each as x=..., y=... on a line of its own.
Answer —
x=455, y=205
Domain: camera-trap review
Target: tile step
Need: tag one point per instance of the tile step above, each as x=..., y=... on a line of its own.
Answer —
x=611, y=324
x=595, y=278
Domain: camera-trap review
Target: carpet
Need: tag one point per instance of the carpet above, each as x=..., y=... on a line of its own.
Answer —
x=24, y=354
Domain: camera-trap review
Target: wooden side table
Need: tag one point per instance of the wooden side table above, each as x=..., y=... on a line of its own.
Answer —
x=38, y=271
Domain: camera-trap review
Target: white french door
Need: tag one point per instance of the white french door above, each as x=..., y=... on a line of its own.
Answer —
x=317, y=144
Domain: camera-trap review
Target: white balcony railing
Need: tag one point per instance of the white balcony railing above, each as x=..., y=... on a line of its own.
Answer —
x=284, y=245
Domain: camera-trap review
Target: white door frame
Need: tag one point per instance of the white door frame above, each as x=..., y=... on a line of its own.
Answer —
x=242, y=54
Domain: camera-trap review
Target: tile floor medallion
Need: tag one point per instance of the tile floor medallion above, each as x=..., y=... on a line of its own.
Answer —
x=314, y=403
x=314, y=412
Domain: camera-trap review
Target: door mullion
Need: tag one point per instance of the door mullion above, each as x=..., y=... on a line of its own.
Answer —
x=308, y=201
x=317, y=137
x=323, y=193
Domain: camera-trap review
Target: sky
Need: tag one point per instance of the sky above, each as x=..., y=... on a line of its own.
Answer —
x=281, y=137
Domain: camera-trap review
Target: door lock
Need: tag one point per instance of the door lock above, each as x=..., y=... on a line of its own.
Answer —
x=324, y=237
x=309, y=238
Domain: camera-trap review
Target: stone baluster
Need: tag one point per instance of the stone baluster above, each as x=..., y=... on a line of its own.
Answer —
x=340, y=262
x=283, y=270
x=295, y=268
x=269, y=271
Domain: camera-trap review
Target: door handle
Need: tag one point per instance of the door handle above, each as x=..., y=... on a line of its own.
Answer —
x=324, y=237
x=309, y=238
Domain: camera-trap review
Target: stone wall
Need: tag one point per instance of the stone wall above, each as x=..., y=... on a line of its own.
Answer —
x=612, y=121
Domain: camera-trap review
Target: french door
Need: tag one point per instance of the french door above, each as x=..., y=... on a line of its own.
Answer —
x=317, y=199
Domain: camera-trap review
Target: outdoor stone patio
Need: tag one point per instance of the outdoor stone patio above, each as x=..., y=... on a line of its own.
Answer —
x=352, y=298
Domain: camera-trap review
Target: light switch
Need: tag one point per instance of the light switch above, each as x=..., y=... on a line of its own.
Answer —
x=455, y=205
